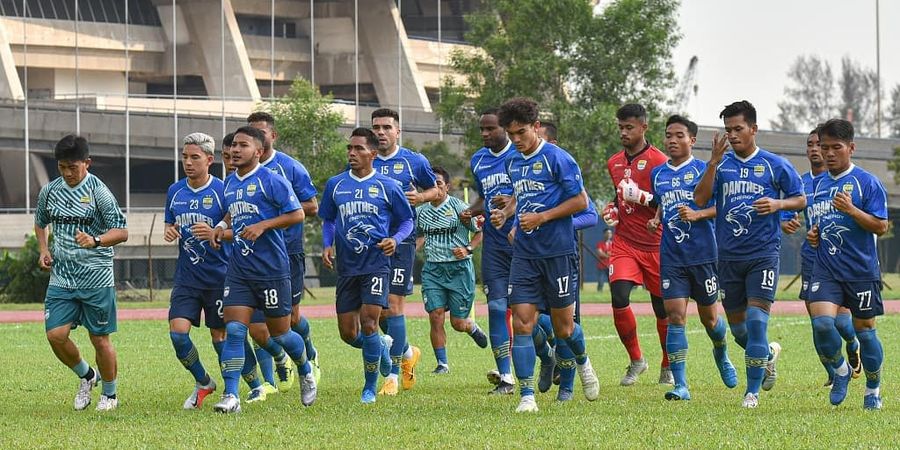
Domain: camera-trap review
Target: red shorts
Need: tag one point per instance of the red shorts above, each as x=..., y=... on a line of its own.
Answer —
x=629, y=264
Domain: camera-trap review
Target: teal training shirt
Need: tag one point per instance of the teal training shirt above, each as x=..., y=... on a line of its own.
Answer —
x=442, y=229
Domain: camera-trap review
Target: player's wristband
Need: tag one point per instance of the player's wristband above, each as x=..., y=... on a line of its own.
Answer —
x=222, y=225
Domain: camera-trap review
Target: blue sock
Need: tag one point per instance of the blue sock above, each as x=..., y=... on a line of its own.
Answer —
x=546, y=324
x=576, y=344
x=266, y=363
x=541, y=347
x=396, y=326
x=440, y=354
x=358, y=342
x=717, y=337
x=499, y=334
x=81, y=369
x=523, y=357
x=739, y=331
x=565, y=360
x=872, y=355
x=383, y=325
x=218, y=347
x=371, y=352
x=756, y=354
x=828, y=341
x=822, y=358
x=302, y=328
x=233, y=355
x=844, y=325
x=677, y=348
x=248, y=371
x=109, y=388
x=275, y=349
x=186, y=352
x=293, y=345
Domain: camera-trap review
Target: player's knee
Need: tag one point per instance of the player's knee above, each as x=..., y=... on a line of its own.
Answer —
x=458, y=324
x=823, y=324
x=621, y=293
x=237, y=330
x=179, y=339
x=368, y=326
x=258, y=332
x=58, y=336
x=677, y=318
x=436, y=318
x=496, y=306
x=101, y=342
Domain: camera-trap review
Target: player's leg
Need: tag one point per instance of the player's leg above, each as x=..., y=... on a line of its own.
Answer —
x=268, y=355
x=404, y=356
x=60, y=312
x=761, y=283
x=561, y=279
x=805, y=280
x=299, y=323
x=277, y=309
x=624, y=274
x=827, y=338
x=460, y=292
x=677, y=346
x=865, y=303
x=844, y=324
x=545, y=352
x=367, y=294
x=237, y=313
x=438, y=338
x=650, y=272
x=98, y=314
x=435, y=298
x=705, y=291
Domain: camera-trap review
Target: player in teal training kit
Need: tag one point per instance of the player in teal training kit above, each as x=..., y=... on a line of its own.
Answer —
x=86, y=223
x=448, y=278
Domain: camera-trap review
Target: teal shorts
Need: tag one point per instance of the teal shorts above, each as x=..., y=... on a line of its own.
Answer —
x=449, y=285
x=95, y=309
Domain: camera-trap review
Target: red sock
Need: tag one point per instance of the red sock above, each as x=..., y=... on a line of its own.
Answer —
x=626, y=326
x=662, y=328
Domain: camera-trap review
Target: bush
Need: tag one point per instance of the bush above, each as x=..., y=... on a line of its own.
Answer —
x=21, y=280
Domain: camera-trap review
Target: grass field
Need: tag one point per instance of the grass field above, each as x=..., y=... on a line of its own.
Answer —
x=447, y=411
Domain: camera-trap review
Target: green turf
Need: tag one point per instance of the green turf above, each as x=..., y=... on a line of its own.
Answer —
x=448, y=411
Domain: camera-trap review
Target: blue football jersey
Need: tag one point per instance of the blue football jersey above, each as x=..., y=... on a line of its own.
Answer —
x=683, y=243
x=257, y=196
x=491, y=179
x=543, y=180
x=741, y=233
x=807, y=253
x=410, y=170
x=199, y=265
x=301, y=183
x=846, y=251
x=364, y=211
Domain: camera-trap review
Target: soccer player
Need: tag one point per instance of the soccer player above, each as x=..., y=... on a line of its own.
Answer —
x=687, y=254
x=488, y=166
x=260, y=204
x=603, y=248
x=790, y=224
x=848, y=213
x=548, y=191
x=360, y=209
x=448, y=277
x=411, y=171
x=749, y=187
x=634, y=257
x=226, y=154
x=86, y=223
x=303, y=188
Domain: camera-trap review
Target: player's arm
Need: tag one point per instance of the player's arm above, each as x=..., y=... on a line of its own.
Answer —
x=688, y=214
x=222, y=230
x=529, y=221
x=420, y=242
x=112, y=218
x=704, y=190
x=310, y=207
x=587, y=217
x=112, y=237
x=328, y=243
x=501, y=215
x=791, y=188
x=462, y=252
x=303, y=187
x=253, y=232
x=790, y=222
x=844, y=203
x=475, y=209
x=45, y=259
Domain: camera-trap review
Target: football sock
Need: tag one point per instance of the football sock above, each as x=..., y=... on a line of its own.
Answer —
x=440, y=354
x=266, y=363
x=541, y=347
x=872, y=355
x=565, y=360
x=499, y=334
x=359, y=341
x=82, y=369
x=248, y=371
x=302, y=328
x=822, y=358
x=756, y=354
x=662, y=330
x=109, y=388
x=576, y=344
x=626, y=327
x=844, y=325
x=828, y=342
x=717, y=336
x=218, y=347
x=293, y=345
x=677, y=348
x=371, y=353
x=523, y=357
x=546, y=324
x=186, y=352
x=233, y=355
x=396, y=328
x=739, y=331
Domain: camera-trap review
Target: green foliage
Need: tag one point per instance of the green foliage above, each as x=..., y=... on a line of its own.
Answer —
x=579, y=67
x=894, y=165
x=439, y=154
x=21, y=280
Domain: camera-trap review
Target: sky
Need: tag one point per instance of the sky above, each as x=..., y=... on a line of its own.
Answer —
x=746, y=47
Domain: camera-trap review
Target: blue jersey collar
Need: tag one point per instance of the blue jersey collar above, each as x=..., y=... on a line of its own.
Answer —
x=240, y=178
x=842, y=174
x=205, y=185
x=680, y=166
x=271, y=158
x=501, y=152
x=752, y=155
x=391, y=155
x=536, y=151
x=370, y=175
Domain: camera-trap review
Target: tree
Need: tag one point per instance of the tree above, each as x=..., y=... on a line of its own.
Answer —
x=858, y=92
x=894, y=165
x=893, y=114
x=21, y=279
x=809, y=98
x=580, y=68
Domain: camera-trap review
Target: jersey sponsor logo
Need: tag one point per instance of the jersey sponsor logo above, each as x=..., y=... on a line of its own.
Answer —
x=493, y=180
x=251, y=190
x=373, y=191
x=358, y=236
x=831, y=234
x=740, y=219
x=642, y=164
x=679, y=228
x=537, y=167
x=207, y=202
x=398, y=168
x=759, y=170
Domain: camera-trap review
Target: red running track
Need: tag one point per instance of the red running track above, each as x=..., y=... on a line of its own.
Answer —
x=418, y=310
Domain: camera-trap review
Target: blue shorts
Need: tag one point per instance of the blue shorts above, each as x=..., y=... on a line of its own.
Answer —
x=806, y=268
x=547, y=283
x=269, y=296
x=402, y=269
x=354, y=291
x=495, y=272
x=862, y=298
x=186, y=302
x=698, y=282
x=743, y=280
x=298, y=271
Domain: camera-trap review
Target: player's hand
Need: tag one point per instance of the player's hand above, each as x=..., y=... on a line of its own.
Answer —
x=465, y=216
x=498, y=218
x=388, y=246
x=84, y=240
x=791, y=226
x=500, y=201
x=202, y=231
x=631, y=193
x=45, y=260
x=530, y=221
x=812, y=236
x=511, y=236
x=842, y=202
x=719, y=145
x=328, y=257
x=172, y=233
x=687, y=214
x=652, y=225
x=767, y=205
x=611, y=214
x=460, y=252
x=216, y=239
x=415, y=198
x=253, y=232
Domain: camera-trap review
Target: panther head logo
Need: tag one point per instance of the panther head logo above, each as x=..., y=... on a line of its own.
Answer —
x=679, y=229
x=531, y=207
x=358, y=236
x=831, y=234
x=245, y=246
x=740, y=218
